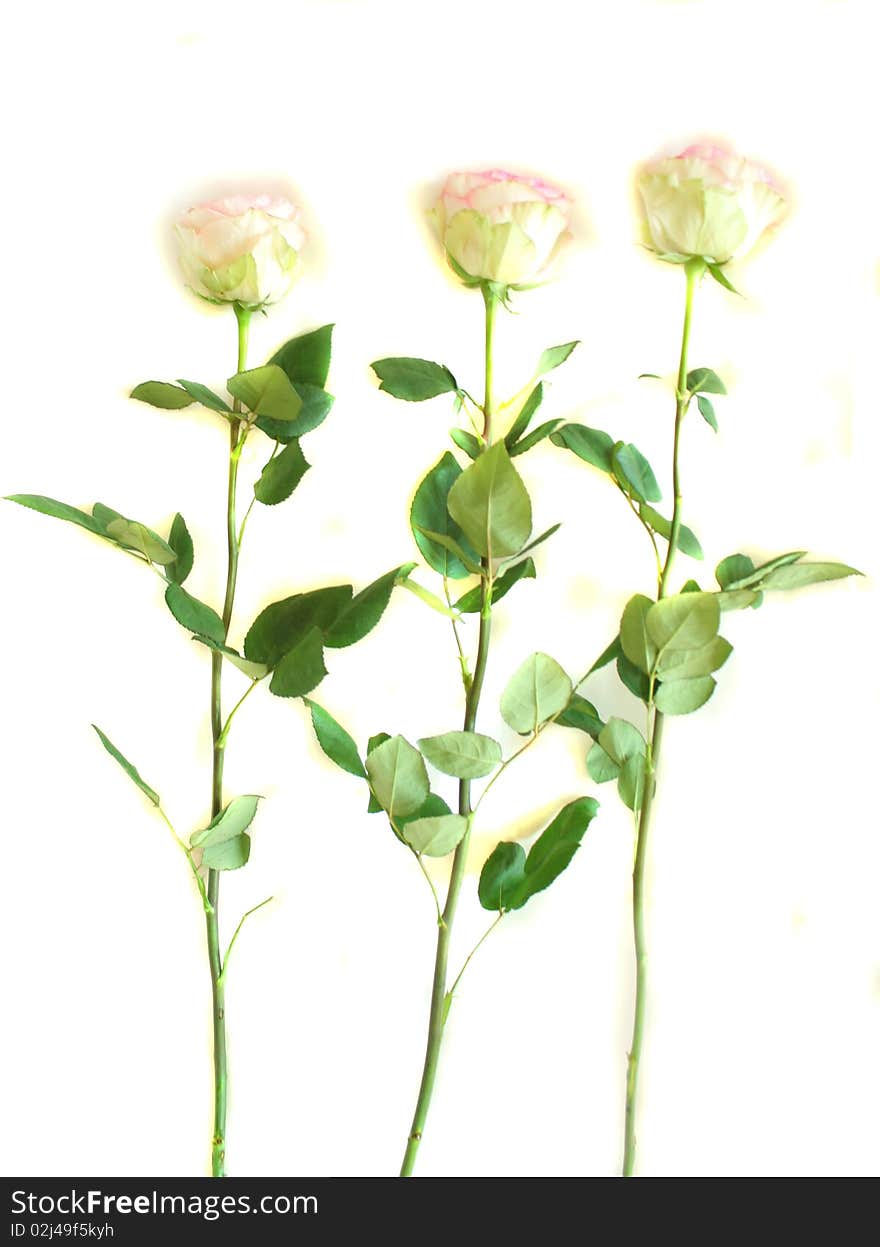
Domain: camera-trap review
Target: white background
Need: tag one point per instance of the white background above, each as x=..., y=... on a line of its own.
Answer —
x=764, y=1009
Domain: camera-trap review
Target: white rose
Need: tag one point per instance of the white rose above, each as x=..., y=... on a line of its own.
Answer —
x=242, y=249
x=706, y=202
x=500, y=227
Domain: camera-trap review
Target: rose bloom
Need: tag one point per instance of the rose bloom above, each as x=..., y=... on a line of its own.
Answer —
x=242, y=249
x=501, y=227
x=706, y=202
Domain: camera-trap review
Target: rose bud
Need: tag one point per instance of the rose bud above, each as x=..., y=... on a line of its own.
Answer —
x=501, y=227
x=242, y=249
x=708, y=203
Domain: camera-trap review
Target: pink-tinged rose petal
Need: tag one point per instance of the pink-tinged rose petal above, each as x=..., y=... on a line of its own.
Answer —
x=501, y=226
x=707, y=201
x=241, y=248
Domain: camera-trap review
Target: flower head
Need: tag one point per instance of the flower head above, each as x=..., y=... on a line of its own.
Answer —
x=706, y=202
x=501, y=227
x=241, y=249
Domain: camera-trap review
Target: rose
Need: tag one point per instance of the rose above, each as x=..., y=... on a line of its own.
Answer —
x=242, y=249
x=706, y=202
x=501, y=227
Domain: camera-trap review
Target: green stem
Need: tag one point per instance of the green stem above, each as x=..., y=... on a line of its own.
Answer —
x=439, y=1002
x=694, y=270
x=215, y=961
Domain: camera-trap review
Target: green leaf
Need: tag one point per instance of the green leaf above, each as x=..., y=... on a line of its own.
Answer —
x=301, y=669
x=491, y=505
x=738, y=599
x=555, y=847
x=105, y=515
x=608, y=655
x=472, y=567
x=634, y=639
x=538, y=541
x=467, y=442
x=704, y=381
x=373, y=806
x=230, y=855
x=685, y=621
x=194, y=615
x=253, y=670
x=634, y=473
x=795, y=577
x=687, y=541
x=232, y=820
x=131, y=771
x=600, y=767
x=436, y=836
x=432, y=807
x=707, y=411
x=135, y=536
x=581, y=715
x=621, y=741
x=631, y=783
x=502, y=876
x=756, y=576
x=554, y=356
x=538, y=690
x=469, y=603
x=414, y=379
x=161, y=394
x=591, y=445
x=279, y=627
x=467, y=755
x=429, y=514
x=306, y=358
x=281, y=475
x=733, y=569
x=335, y=741
x=684, y=696
x=58, y=511
x=181, y=543
x=522, y=421
x=363, y=612
x=537, y=435
x=426, y=596
x=690, y=586
x=316, y=405
x=687, y=664
x=266, y=391
x=201, y=394
x=224, y=844
x=509, y=878
x=398, y=776
x=633, y=678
